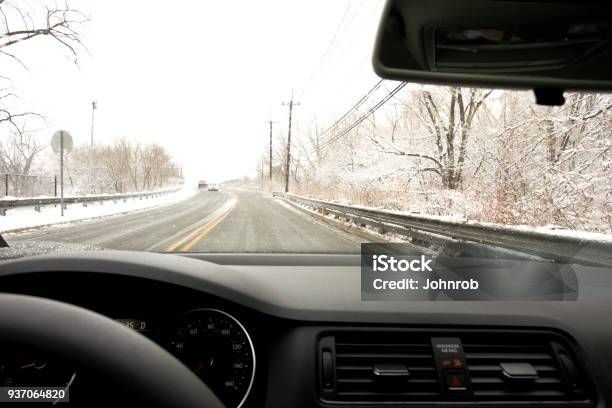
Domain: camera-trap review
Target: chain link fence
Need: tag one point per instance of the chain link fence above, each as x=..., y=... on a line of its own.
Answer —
x=25, y=185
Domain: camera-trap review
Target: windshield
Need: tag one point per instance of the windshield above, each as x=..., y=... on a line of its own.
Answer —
x=197, y=128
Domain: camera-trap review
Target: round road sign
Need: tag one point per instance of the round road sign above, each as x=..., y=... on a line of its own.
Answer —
x=56, y=141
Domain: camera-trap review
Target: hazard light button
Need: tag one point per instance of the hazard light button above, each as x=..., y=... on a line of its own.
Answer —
x=456, y=381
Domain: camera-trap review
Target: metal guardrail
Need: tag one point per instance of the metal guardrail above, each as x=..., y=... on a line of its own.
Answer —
x=42, y=201
x=558, y=247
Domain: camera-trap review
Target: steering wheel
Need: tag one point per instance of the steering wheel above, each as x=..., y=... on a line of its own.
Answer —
x=105, y=347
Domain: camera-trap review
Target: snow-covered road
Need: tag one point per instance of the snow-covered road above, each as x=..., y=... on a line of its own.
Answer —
x=225, y=221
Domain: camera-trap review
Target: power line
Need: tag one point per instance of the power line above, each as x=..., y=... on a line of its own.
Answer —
x=354, y=107
x=316, y=71
x=333, y=46
x=345, y=31
x=362, y=118
x=374, y=88
x=357, y=32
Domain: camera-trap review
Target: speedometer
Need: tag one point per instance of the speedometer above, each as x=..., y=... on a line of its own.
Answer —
x=217, y=348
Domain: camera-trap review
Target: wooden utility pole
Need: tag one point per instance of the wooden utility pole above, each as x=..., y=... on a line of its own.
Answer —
x=270, y=122
x=288, y=164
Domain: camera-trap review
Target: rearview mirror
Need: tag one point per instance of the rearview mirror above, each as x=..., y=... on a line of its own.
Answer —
x=539, y=44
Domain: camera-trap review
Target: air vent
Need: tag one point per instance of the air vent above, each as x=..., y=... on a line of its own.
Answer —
x=521, y=367
x=378, y=366
x=381, y=367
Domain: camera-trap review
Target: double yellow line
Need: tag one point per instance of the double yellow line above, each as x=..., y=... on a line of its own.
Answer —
x=196, y=235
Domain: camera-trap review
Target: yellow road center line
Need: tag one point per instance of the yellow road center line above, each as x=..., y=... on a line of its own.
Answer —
x=193, y=233
x=173, y=247
x=208, y=228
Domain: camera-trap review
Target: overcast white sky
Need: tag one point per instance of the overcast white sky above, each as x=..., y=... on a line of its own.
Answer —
x=201, y=77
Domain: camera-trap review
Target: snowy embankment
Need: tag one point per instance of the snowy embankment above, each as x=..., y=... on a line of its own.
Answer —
x=549, y=232
x=23, y=218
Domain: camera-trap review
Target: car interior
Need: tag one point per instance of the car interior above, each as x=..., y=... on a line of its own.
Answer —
x=125, y=328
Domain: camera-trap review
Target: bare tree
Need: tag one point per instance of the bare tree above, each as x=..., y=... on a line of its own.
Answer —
x=154, y=161
x=22, y=21
x=114, y=166
x=134, y=165
x=18, y=151
x=448, y=118
x=547, y=166
x=27, y=21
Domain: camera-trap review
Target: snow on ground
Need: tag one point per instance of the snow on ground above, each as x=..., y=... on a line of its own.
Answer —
x=22, y=218
x=20, y=249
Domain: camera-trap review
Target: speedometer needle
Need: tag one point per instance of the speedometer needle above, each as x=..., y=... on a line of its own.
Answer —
x=27, y=366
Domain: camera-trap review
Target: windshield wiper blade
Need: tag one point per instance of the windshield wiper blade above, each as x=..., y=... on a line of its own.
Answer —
x=3, y=243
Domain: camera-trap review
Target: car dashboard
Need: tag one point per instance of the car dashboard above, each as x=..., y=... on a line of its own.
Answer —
x=281, y=331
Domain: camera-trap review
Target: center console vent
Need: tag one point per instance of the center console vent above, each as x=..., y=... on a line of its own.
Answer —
x=434, y=366
x=375, y=367
x=521, y=367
